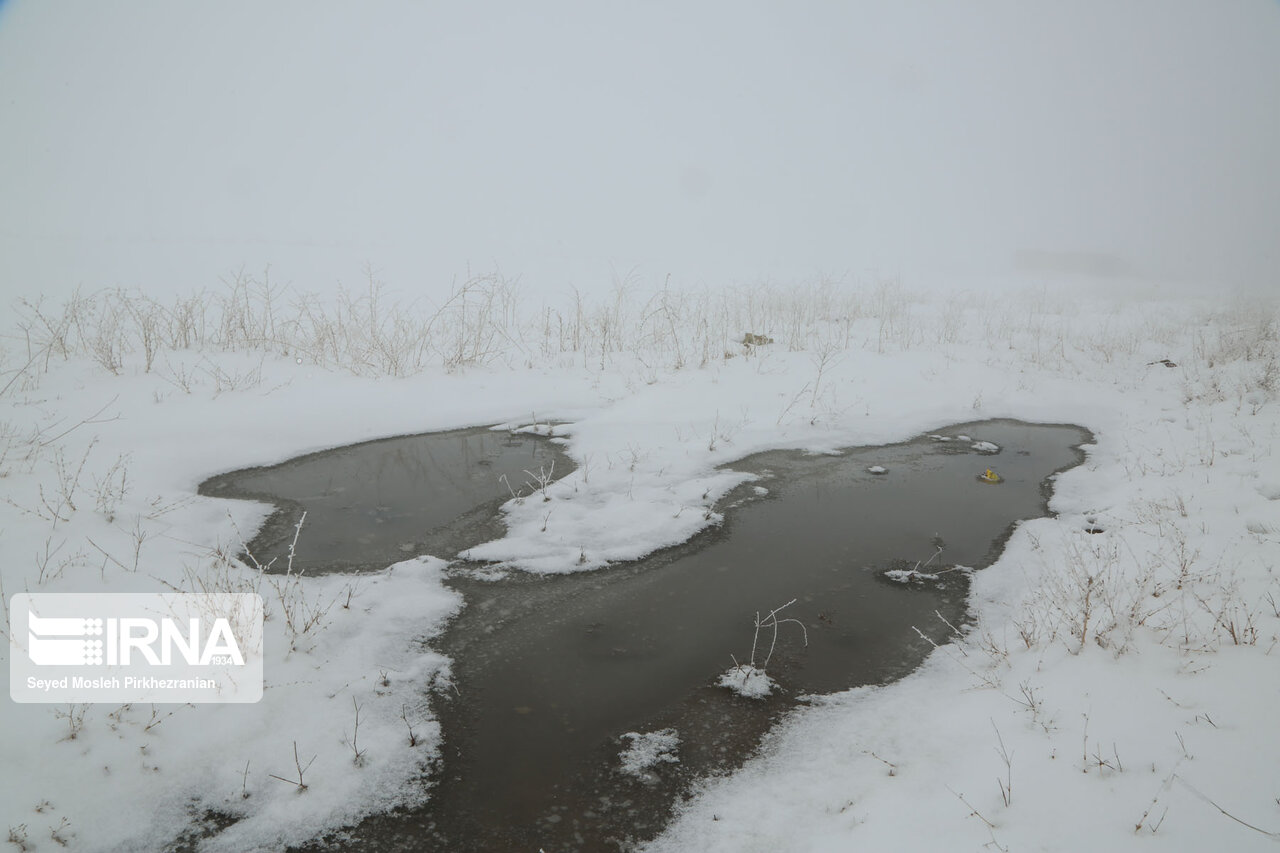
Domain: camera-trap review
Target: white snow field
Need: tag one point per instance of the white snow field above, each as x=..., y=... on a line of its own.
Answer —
x=1118, y=690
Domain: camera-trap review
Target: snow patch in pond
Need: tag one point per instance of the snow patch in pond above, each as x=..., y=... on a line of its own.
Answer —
x=986, y=447
x=748, y=681
x=761, y=491
x=647, y=750
x=908, y=575
x=917, y=576
x=877, y=469
x=543, y=429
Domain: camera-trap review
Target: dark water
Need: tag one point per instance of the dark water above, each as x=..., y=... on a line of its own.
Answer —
x=373, y=504
x=550, y=672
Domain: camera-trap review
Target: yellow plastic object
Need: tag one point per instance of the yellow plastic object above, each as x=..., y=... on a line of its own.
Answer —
x=989, y=476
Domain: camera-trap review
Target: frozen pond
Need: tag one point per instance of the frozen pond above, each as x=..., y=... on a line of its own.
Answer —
x=372, y=504
x=551, y=672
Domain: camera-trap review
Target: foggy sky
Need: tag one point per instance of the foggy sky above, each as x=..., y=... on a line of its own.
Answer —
x=164, y=145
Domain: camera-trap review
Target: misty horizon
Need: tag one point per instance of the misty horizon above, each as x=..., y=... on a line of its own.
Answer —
x=570, y=145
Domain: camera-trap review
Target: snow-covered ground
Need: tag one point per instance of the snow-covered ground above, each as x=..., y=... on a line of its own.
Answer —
x=1118, y=690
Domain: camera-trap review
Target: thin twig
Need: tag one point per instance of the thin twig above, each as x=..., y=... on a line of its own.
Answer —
x=1201, y=795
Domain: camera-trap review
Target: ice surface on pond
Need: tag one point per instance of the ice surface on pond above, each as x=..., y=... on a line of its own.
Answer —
x=371, y=504
x=655, y=644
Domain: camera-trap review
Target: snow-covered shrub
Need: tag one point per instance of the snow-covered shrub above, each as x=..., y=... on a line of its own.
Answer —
x=747, y=679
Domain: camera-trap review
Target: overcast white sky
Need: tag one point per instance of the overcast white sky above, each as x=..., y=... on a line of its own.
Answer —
x=163, y=145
